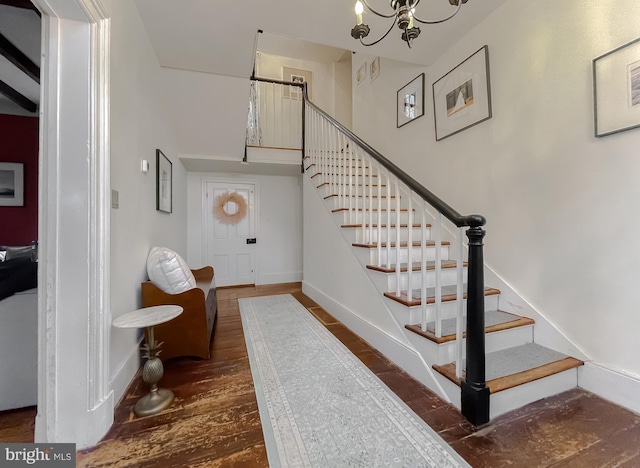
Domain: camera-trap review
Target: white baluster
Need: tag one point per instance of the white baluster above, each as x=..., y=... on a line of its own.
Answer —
x=409, y=244
x=423, y=266
x=397, y=236
x=388, y=219
x=379, y=232
x=370, y=164
x=438, y=271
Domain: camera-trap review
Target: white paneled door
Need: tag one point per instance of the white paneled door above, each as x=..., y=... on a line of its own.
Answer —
x=230, y=247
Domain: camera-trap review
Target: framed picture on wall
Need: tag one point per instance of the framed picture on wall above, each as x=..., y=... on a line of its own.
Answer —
x=374, y=69
x=411, y=101
x=462, y=97
x=164, y=181
x=616, y=90
x=11, y=184
x=295, y=75
x=361, y=74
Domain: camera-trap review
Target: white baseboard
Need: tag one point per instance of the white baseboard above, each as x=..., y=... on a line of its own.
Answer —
x=122, y=377
x=621, y=389
x=277, y=278
x=400, y=354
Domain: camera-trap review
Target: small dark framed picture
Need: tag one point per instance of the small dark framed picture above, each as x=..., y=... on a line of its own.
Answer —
x=411, y=101
x=164, y=180
x=11, y=184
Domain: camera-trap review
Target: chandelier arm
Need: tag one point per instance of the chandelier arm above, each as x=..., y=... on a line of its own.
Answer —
x=385, y=35
x=376, y=12
x=415, y=18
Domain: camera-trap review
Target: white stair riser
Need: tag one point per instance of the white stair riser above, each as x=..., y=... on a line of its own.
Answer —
x=416, y=252
x=517, y=397
x=354, y=235
x=369, y=256
x=366, y=202
x=356, y=217
x=371, y=236
x=334, y=180
x=387, y=281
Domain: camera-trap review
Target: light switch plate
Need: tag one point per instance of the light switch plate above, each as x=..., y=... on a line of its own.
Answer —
x=114, y=199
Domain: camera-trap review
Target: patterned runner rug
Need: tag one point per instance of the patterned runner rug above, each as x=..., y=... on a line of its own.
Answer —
x=319, y=405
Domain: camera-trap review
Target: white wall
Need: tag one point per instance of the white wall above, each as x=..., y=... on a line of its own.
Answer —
x=560, y=203
x=208, y=112
x=322, y=94
x=279, y=225
x=343, y=92
x=139, y=124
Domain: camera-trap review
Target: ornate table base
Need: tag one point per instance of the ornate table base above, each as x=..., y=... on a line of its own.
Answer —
x=158, y=398
x=154, y=402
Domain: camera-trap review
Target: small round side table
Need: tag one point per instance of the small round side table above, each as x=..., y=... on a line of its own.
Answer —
x=158, y=398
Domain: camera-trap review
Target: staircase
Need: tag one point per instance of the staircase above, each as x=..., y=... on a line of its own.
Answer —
x=419, y=264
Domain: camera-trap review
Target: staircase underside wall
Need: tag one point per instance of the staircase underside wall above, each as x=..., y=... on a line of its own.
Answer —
x=334, y=278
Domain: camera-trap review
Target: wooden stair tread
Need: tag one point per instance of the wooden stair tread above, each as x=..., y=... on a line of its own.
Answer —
x=514, y=380
x=359, y=185
x=334, y=195
x=383, y=210
x=344, y=174
x=519, y=322
x=402, y=244
x=416, y=266
x=383, y=226
x=404, y=299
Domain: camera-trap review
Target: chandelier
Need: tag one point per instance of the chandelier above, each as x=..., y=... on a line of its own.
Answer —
x=403, y=15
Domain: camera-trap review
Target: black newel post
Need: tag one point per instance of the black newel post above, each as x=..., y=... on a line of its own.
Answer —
x=475, y=393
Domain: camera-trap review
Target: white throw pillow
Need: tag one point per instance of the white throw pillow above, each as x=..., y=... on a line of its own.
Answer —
x=168, y=271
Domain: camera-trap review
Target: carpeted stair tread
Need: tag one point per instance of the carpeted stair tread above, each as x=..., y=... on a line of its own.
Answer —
x=449, y=293
x=495, y=320
x=515, y=366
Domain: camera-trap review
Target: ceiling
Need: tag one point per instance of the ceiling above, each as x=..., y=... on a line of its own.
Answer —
x=220, y=37
x=19, y=57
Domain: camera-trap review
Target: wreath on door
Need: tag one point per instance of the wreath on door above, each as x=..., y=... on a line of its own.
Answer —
x=220, y=208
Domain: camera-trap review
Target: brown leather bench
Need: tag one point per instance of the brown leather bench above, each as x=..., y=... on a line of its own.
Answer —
x=191, y=332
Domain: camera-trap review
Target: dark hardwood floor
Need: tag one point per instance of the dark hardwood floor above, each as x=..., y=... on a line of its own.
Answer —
x=214, y=419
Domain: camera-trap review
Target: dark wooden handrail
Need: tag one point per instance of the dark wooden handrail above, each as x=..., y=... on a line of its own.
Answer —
x=474, y=220
x=475, y=393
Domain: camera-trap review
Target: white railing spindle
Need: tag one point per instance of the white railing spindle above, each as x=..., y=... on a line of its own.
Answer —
x=438, y=271
x=397, y=237
x=423, y=266
x=409, y=246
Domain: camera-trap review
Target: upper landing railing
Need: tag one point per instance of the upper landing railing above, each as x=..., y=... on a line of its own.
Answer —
x=381, y=199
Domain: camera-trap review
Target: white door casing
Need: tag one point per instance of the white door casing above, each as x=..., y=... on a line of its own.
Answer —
x=75, y=401
x=225, y=246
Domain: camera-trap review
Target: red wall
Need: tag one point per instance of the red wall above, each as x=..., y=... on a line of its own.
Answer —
x=19, y=144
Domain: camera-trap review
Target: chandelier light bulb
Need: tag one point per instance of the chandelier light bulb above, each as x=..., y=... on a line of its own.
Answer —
x=359, y=9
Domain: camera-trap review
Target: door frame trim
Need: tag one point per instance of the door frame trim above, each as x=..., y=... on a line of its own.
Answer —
x=256, y=208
